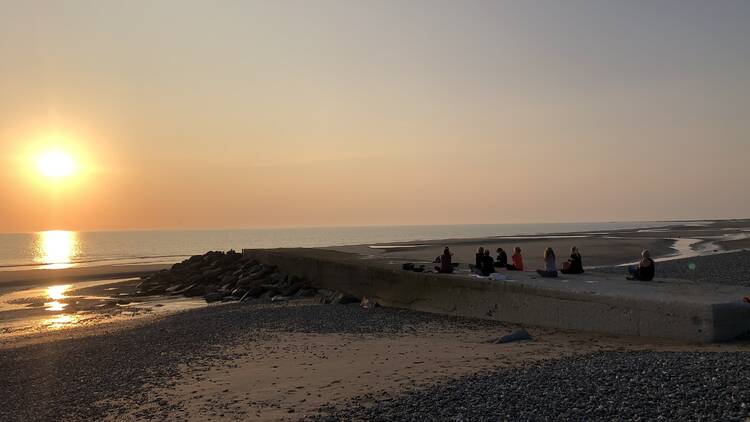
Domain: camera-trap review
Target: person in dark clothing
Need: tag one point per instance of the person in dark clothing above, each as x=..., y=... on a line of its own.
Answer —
x=478, y=257
x=645, y=270
x=502, y=259
x=446, y=265
x=488, y=264
x=574, y=265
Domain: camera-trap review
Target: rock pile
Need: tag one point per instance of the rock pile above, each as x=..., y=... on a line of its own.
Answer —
x=229, y=276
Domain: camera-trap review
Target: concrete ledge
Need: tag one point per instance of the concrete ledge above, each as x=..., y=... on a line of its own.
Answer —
x=673, y=309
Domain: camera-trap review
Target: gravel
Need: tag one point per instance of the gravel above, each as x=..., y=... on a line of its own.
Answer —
x=69, y=379
x=600, y=386
x=727, y=268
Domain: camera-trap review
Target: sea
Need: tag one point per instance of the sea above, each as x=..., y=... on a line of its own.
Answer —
x=63, y=249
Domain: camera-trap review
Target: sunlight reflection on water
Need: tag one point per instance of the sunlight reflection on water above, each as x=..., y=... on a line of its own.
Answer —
x=56, y=293
x=56, y=247
x=55, y=306
x=60, y=321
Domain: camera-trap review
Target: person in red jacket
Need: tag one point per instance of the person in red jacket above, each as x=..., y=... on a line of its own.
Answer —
x=517, y=259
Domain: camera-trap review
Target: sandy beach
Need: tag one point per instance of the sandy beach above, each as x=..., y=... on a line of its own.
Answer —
x=300, y=360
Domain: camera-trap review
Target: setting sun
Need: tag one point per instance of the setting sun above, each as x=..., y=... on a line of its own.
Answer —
x=56, y=164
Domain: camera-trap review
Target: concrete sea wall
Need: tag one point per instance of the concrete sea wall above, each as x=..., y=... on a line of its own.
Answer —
x=667, y=310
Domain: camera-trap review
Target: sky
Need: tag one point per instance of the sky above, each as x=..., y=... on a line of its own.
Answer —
x=232, y=114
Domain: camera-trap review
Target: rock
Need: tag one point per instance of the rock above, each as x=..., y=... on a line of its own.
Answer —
x=293, y=288
x=256, y=291
x=213, y=273
x=272, y=288
x=173, y=289
x=518, y=335
x=155, y=290
x=239, y=292
x=195, y=279
x=279, y=298
x=332, y=296
x=229, y=274
x=194, y=290
x=230, y=298
x=214, y=296
x=368, y=303
x=306, y=292
x=265, y=295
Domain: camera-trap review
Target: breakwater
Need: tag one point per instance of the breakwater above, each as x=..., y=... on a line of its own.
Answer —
x=600, y=303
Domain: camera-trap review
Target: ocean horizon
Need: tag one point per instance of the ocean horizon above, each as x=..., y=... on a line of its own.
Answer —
x=61, y=249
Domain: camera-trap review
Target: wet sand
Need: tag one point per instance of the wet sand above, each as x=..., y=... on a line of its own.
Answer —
x=34, y=314
x=15, y=278
x=610, y=248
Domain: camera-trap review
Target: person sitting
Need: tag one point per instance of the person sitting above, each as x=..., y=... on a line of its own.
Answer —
x=549, y=263
x=517, y=259
x=645, y=270
x=502, y=259
x=478, y=257
x=574, y=265
x=446, y=266
x=488, y=264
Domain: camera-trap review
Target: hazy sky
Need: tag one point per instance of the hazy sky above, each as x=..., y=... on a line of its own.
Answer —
x=185, y=114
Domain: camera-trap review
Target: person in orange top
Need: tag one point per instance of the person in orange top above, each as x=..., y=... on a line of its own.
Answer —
x=517, y=259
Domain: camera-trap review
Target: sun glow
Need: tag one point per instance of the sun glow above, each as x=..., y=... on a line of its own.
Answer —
x=56, y=164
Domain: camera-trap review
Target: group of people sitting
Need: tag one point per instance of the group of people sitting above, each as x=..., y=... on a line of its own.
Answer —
x=485, y=264
x=574, y=264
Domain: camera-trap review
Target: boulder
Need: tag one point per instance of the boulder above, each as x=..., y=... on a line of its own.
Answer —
x=368, y=303
x=194, y=290
x=239, y=292
x=518, y=335
x=155, y=290
x=213, y=273
x=214, y=296
x=332, y=296
x=306, y=292
x=256, y=291
x=293, y=288
x=174, y=289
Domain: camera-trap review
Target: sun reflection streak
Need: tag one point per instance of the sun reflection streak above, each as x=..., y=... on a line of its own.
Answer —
x=56, y=248
x=60, y=321
x=56, y=293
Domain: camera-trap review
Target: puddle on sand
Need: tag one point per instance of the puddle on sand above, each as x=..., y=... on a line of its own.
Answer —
x=62, y=306
x=60, y=321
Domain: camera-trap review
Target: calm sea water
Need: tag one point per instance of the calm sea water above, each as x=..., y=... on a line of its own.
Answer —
x=59, y=249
